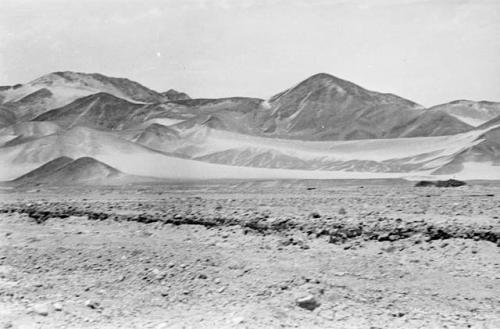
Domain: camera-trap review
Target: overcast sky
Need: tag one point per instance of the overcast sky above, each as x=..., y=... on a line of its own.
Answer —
x=428, y=51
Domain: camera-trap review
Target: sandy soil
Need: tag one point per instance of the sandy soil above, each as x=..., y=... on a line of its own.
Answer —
x=251, y=255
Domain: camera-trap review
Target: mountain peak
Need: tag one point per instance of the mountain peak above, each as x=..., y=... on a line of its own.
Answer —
x=85, y=83
x=326, y=80
x=174, y=95
x=324, y=76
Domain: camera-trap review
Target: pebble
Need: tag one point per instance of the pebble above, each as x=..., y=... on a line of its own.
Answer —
x=41, y=309
x=308, y=302
x=57, y=306
x=91, y=304
x=238, y=320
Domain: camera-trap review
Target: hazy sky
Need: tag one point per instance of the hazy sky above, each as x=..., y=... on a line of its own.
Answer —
x=428, y=51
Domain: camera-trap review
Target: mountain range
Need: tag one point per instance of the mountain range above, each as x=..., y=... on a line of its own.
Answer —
x=72, y=128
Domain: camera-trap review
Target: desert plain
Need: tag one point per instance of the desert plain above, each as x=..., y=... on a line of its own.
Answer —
x=251, y=254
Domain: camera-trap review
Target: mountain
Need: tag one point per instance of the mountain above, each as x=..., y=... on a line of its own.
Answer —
x=61, y=88
x=324, y=107
x=324, y=127
x=470, y=112
x=66, y=171
x=174, y=95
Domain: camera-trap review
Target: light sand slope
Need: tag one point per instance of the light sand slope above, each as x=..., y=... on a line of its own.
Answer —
x=132, y=158
x=402, y=155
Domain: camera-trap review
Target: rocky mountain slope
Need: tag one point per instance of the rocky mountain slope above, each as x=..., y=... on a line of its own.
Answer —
x=324, y=107
x=61, y=88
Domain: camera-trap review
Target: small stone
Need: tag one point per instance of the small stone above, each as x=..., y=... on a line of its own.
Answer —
x=92, y=304
x=162, y=326
x=314, y=214
x=238, y=320
x=57, y=306
x=308, y=302
x=41, y=309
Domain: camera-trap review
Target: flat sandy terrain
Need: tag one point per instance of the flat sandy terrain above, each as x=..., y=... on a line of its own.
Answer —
x=251, y=255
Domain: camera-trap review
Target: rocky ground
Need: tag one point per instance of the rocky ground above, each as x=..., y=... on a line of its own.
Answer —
x=251, y=255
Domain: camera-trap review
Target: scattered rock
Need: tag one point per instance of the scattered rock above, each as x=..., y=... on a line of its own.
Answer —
x=308, y=302
x=238, y=320
x=41, y=309
x=92, y=304
x=314, y=214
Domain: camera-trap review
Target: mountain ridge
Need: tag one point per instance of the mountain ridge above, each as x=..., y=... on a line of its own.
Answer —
x=322, y=127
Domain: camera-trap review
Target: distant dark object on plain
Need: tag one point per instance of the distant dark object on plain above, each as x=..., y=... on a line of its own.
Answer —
x=441, y=183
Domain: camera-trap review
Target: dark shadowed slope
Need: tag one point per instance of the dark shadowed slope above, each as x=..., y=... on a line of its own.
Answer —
x=43, y=172
x=64, y=171
x=31, y=105
x=96, y=111
x=6, y=117
x=431, y=123
x=470, y=112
